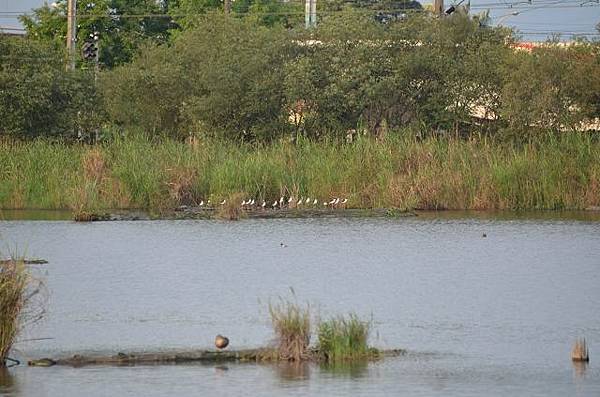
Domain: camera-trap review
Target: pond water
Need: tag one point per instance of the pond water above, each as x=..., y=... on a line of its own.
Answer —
x=493, y=315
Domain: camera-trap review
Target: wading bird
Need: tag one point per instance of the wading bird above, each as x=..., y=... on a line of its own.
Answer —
x=221, y=342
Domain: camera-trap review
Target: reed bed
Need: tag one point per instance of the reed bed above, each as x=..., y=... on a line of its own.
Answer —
x=344, y=338
x=560, y=172
x=13, y=284
x=291, y=323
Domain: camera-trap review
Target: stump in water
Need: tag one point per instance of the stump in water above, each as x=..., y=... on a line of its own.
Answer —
x=580, y=351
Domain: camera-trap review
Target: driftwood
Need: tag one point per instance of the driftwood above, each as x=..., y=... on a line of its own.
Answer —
x=25, y=261
x=176, y=357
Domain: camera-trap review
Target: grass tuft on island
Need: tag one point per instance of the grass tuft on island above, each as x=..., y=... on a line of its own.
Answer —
x=398, y=172
x=13, y=282
x=344, y=339
x=341, y=338
x=292, y=326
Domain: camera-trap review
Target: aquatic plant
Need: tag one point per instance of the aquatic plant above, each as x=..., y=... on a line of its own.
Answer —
x=344, y=338
x=13, y=281
x=291, y=323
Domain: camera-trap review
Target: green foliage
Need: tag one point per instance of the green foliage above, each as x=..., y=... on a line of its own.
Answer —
x=251, y=77
x=344, y=338
x=553, y=88
x=38, y=97
x=119, y=37
x=397, y=172
x=189, y=13
x=423, y=71
x=228, y=84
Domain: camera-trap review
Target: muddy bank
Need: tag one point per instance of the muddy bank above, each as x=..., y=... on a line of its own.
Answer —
x=181, y=357
x=186, y=212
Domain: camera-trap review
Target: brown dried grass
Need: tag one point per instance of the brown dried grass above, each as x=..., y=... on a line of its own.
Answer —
x=291, y=323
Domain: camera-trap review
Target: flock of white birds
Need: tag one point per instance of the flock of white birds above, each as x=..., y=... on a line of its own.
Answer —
x=284, y=203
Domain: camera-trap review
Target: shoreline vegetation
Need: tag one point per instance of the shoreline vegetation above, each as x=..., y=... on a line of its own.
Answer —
x=361, y=113
x=341, y=339
x=400, y=172
x=22, y=302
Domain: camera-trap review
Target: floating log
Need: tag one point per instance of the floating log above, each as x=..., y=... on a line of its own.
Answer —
x=25, y=261
x=176, y=357
x=580, y=352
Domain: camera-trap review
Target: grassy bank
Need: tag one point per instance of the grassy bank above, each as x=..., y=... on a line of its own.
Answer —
x=401, y=172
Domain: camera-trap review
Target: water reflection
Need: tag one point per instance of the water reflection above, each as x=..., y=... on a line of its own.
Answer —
x=579, y=369
x=350, y=369
x=292, y=371
x=221, y=370
x=7, y=382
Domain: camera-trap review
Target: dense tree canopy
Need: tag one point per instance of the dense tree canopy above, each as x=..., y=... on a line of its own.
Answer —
x=256, y=75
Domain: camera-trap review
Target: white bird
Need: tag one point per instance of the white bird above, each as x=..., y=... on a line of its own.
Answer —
x=300, y=200
x=337, y=201
x=208, y=202
x=307, y=200
x=274, y=204
x=324, y=203
x=315, y=202
x=223, y=202
x=290, y=200
x=243, y=203
x=264, y=204
x=201, y=203
x=332, y=201
x=252, y=202
x=344, y=201
x=280, y=200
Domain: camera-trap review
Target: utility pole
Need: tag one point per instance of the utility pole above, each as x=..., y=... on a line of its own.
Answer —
x=71, y=32
x=310, y=13
x=438, y=7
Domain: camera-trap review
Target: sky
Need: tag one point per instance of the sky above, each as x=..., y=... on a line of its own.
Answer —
x=535, y=19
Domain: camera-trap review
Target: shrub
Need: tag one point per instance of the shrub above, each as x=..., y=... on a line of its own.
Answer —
x=38, y=97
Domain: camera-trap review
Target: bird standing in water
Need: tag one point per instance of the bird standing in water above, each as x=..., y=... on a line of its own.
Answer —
x=221, y=342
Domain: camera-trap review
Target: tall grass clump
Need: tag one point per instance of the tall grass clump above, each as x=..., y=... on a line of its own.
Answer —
x=14, y=280
x=344, y=338
x=291, y=323
x=399, y=171
x=231, y=210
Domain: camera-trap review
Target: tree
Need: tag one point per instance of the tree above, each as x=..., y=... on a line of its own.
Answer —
x=222, y=78
x=122, y=26
x=38, y=97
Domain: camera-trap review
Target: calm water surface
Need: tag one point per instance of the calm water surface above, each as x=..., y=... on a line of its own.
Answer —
x=480, y=316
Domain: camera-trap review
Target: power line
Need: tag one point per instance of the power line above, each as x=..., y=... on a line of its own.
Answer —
x=490, y=6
